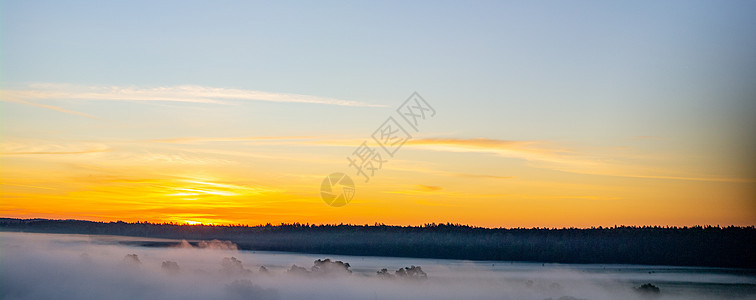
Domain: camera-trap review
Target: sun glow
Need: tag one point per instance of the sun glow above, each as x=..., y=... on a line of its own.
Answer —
x=199, y=192
x=190, y=222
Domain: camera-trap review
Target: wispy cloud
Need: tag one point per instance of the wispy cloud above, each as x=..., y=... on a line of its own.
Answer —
x=28, y=186
x=174, y=158
x=182, y=93
x=15, y=148
x=645, y=137
x=428, y=188
x=550, y=156
x=541, y=154
x=8, y=98
x=530, y=150
x=486, y=176
x=198, y=140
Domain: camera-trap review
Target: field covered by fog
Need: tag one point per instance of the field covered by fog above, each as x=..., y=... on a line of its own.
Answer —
x=60, y=266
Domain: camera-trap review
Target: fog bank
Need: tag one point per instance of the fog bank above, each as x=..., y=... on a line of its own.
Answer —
x=55, y=266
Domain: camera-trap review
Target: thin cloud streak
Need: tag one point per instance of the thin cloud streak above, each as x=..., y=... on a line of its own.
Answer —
x=14, y=148
x=469, y=175
x=555, y=158
x=198, y=140
x=51, y=107
x=183, y=93
x=55, y=152
x=28, y=186
x=428, y=188
x=542, y=153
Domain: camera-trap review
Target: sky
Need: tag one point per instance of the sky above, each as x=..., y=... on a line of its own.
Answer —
x=547, y=114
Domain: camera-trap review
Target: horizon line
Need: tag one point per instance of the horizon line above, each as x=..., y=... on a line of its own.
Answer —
x=377, y=224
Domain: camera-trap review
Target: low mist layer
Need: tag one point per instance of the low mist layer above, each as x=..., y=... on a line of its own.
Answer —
x=54, y=266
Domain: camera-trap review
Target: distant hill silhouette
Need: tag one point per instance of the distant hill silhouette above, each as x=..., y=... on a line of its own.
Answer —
x=681, y=246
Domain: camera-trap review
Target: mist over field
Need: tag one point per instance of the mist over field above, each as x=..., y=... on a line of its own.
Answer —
x=57, y=266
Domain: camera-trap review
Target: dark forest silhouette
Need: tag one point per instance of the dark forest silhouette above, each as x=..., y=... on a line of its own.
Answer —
x=682, y=246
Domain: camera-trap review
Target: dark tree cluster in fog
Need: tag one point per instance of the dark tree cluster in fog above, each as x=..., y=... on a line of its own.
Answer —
x=412, y=272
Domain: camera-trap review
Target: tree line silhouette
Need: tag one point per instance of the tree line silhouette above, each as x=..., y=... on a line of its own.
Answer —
x=711, y=246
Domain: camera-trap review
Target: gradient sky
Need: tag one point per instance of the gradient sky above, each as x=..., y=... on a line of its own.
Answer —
x=572, y=113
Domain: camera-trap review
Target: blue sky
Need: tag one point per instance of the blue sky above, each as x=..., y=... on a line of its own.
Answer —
x=591, y=58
